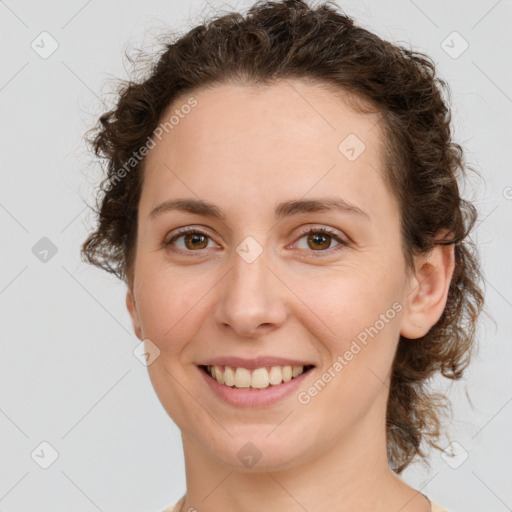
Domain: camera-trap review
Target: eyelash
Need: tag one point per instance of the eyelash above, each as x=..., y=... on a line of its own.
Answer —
x=326, y=231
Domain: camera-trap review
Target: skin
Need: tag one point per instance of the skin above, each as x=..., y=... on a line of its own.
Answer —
x=246, y=148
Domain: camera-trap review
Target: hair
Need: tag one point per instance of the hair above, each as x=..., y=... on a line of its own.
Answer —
x=288, y=39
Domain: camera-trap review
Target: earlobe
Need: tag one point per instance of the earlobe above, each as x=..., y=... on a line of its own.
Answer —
x=428, y=293
x=132, y=309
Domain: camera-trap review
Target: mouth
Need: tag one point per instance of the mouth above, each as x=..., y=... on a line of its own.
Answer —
x=256, y=379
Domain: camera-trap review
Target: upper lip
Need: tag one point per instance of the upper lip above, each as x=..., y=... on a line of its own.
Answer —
x=251, y=364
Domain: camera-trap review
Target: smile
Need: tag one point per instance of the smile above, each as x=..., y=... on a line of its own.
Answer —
x=255, y=379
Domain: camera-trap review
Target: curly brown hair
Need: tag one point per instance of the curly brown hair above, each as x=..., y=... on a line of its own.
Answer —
x=289, y=39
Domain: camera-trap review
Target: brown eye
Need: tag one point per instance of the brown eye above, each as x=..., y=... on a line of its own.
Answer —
x=320, y=240
x=194, y=240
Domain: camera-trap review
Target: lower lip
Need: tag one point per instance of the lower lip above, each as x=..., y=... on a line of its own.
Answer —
x=254, y=397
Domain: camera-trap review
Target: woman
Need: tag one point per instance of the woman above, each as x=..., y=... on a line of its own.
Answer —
x=281, y=200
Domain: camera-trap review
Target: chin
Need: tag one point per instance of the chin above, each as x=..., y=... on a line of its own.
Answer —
x=255, y=451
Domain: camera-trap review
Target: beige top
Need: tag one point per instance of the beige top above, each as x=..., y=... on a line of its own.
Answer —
x=175, y=507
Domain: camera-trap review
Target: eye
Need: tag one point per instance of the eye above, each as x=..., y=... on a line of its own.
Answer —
x=318, y=239
x=193, y=238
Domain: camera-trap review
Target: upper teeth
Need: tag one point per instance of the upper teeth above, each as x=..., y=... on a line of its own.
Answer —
x=260, y=378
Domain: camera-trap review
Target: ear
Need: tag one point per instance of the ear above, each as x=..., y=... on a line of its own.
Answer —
x=131, y=305
x=428, y=292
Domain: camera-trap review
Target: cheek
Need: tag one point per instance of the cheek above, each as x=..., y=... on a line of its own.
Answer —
x=352, y=302
x=358, y=328
x=170, y=303
x=359, y=332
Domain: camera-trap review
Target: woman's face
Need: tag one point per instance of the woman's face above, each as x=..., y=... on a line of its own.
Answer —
x=254, y=285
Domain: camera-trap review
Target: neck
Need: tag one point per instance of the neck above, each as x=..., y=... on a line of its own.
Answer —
x=352, y=474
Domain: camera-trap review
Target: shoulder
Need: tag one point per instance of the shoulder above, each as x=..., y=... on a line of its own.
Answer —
x=435, y=508
x=174, y=507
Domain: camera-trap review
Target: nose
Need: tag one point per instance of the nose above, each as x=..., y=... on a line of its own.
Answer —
x=252, y=298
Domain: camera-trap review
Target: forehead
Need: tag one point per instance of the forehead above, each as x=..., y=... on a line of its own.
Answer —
x=264, y=142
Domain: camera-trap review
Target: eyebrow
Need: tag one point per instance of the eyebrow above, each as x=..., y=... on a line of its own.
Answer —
x=285, y=209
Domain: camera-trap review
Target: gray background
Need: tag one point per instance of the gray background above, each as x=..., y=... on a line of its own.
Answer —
x=68, y=376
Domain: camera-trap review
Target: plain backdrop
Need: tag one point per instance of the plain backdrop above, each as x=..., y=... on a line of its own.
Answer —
x=73, y=397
